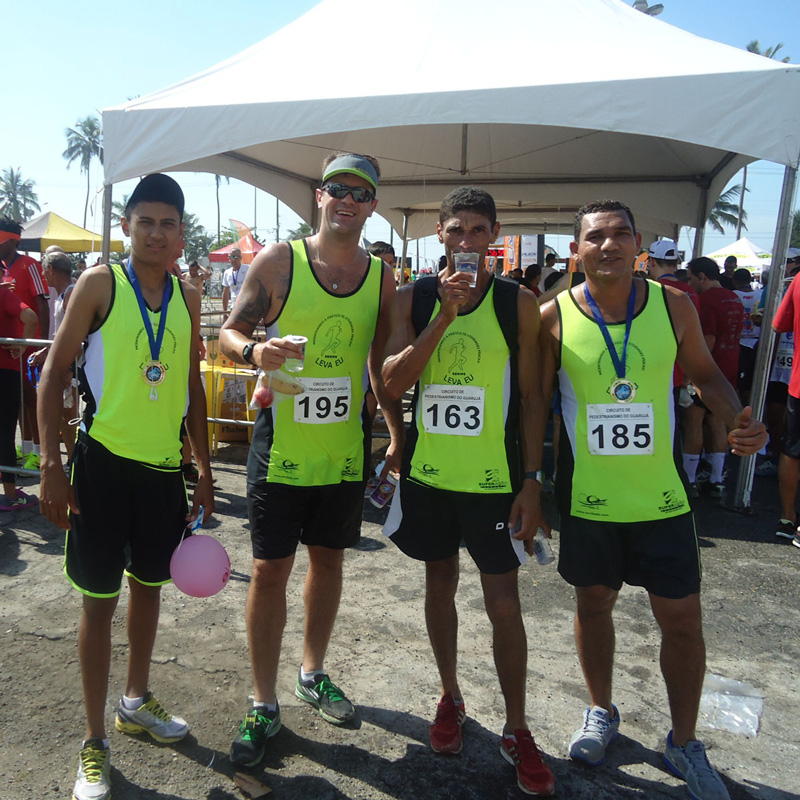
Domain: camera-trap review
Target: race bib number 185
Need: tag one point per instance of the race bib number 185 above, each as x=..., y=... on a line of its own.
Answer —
x=453, y=410
x=620, y=430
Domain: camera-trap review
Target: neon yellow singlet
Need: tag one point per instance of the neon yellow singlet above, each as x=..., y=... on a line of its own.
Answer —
x=462, y=406
x=120, y=414
x=624, y=466
x=318, y=438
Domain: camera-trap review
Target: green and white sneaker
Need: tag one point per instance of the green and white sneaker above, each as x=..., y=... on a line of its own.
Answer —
x=94, y=765
x=326, y=697
x=151, y=718
x=250, y=743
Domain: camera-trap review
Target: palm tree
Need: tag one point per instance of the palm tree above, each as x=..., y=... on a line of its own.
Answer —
x=770, y=52
x=118, y=210
x=18, y=200
x=84, y=142
x=726, y=211
x=300, y=232
x=197, y=239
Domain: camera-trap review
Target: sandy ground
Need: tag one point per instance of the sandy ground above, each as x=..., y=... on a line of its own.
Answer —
x=381, y=657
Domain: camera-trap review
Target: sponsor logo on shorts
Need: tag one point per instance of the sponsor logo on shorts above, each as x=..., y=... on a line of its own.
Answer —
x=672, y=502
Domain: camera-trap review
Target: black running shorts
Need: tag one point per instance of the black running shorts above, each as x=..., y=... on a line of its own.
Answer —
x=790, y=444
x=131, y=519
x=429, y=524
x=663, y=555
x=281, y=516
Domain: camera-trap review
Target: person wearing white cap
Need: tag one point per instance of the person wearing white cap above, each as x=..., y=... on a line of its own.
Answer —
x=309, y=458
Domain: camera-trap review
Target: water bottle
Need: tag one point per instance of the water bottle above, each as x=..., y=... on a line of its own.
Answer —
x=384, y=490
x=542, y=549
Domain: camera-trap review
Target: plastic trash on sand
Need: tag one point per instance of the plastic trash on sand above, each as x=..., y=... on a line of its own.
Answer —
x=730, y=705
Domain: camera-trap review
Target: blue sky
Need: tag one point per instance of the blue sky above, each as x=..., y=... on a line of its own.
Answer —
x=72, y=60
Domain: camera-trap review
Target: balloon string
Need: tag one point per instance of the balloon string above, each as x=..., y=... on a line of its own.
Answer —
x=193, y=526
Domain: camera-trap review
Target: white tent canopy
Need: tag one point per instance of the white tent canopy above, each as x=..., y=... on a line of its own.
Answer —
x=747, y=254
x=558, y=108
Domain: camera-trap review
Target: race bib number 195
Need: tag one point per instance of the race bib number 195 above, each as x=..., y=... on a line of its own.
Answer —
x=453, y=410
x=325, y=400
x=620, y=430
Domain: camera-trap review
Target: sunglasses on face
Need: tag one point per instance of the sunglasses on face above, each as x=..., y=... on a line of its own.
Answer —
x=341, y=190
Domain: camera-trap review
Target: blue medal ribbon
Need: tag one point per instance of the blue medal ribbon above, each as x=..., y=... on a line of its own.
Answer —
x=619, y=362
x=155, y=341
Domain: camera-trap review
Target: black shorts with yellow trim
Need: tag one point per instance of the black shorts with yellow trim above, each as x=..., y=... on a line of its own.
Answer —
x=132, y=516
x=429, y=524
x=662, y=555
x=283, y=516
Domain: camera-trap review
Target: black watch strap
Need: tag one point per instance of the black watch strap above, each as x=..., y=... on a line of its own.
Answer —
x=247, y=352
x=537, y=476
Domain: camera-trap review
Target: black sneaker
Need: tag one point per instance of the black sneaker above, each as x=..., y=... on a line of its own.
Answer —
x=785, y=529
x=250, y=743
x=326, y=697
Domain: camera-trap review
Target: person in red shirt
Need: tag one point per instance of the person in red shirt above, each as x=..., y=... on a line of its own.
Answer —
x=721, y=318
x=17, y=321
x=24, y=276
x=662, y=261
x=787, y=319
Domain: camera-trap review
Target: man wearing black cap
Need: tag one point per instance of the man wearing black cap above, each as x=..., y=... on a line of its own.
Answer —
x=308, y=461
x=141, y=366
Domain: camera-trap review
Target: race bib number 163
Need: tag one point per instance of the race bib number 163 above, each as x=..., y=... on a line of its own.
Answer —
x=620, y=430
x=453, y=410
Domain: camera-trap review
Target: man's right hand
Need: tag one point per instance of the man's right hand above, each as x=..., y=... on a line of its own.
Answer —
x=272, y=354
x=56, y=497
x=455, y=294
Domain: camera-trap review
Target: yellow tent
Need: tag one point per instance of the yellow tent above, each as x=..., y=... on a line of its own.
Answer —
x=49, y=228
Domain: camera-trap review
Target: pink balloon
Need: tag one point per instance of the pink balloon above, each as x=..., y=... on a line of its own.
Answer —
x=200, y=566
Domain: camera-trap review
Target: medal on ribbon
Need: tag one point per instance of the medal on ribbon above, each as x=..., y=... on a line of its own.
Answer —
x=154, y=371
x=622, y=389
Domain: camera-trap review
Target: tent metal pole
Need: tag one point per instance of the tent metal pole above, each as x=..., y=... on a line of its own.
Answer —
x=405, y=248
x=744, y=481
x=700, y=227
x=107, y=207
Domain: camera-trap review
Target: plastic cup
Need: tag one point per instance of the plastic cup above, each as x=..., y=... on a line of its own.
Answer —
x=296, y=364
x=468, y=264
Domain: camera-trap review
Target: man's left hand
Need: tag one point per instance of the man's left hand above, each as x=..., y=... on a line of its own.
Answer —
x=748, y=435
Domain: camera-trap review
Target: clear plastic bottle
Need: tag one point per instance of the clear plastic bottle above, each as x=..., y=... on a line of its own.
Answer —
x=542, y=549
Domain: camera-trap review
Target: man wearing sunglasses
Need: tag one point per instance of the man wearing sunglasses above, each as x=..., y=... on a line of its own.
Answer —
x=233, y=279
x=309, y=458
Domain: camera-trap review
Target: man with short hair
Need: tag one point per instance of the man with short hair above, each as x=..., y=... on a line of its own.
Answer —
x=748, y=341
x=726, y=277
x=233, y=280
x=613, y=342
x=721, y=319
x=309, y=458
x=197, y=276
x=472, y=353
x=24, y=276
x=126, y=509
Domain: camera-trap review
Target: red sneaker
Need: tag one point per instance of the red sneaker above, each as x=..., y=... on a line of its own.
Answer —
x=446, y=728
x=533, y=776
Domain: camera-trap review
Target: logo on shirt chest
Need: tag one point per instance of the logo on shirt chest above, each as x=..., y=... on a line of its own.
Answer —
x=333, y=338
x=458, y=353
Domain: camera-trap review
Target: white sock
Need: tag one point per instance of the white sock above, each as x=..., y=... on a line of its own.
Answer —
x=690, y=462
x=106, y=743
x=717, y=461
x=132, y=703
x=307, y=676
x=27, y=446
x=273, y=706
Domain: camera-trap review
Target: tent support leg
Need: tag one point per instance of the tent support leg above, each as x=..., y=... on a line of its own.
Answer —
x=405, y=249
x=700, y=226
x=107, y=208
x=744, y=481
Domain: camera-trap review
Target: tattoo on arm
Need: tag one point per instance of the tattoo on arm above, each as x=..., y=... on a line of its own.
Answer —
x=251, y=309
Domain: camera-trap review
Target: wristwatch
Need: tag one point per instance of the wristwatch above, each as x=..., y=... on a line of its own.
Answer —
x=536, y=475
x=247, y=353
